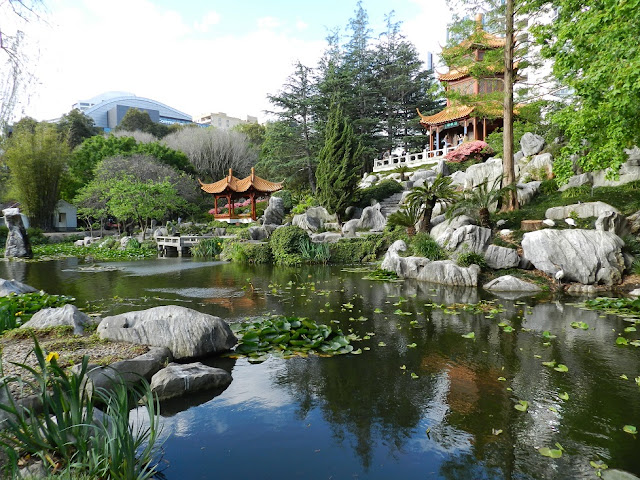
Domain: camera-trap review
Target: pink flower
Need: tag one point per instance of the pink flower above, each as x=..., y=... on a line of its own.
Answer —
x=466, y=151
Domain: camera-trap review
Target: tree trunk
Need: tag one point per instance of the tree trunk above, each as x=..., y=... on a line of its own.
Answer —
x=507, y=161
x=484, y=217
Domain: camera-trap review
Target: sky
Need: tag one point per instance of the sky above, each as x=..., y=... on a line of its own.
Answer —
x=198, y=56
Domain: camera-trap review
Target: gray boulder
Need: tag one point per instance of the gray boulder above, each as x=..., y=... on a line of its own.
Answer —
x=454, y=223
x=160, y=232
x=627, y=173
x=405, y=267
x=185, y=332
x=326, y=237
x=314, y=219
x=124, y=241
x=527, y=191
x=489, y=172
x=219, y=231
x=539, y=168
x=18, y=245
x=577, y=181
x=178, y=379
x=531, y=144
x=470, y=238
x=518, y=156
x=583, y=256
x=372, y=219
x=446, y=272
x=7, y=287
x=501, y=257
x=634, y=223
x=633, y=156
x=583, y=210
x=613, y=222
x=69, y=315
x=274, y=213
x=458, y=178
x=350, y=228
x=635, y=293
x=578, y=289
x=258, y=233
x=422, y=175
x=509, y=283
x=441, y=168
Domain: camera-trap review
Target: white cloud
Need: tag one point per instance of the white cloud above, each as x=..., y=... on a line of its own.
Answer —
x=428, y=29
x=300, y=25
x=268, y=23
x=210, y=19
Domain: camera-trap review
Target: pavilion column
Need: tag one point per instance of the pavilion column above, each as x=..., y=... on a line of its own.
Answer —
x=232, y=209
x=465, y=129
x=253, y=206
x=215, y=205
x=475, y=129
x=437, y=138
x=484, y=129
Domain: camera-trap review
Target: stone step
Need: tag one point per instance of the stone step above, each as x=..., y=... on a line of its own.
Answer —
x=391, y=204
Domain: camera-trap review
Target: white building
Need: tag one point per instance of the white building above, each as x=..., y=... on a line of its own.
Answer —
x=65, y=217
x=222, y=120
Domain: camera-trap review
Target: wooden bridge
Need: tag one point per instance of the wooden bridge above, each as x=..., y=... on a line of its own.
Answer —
x=172, y=246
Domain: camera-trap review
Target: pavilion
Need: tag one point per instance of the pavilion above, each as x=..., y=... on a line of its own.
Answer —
x=233, y=189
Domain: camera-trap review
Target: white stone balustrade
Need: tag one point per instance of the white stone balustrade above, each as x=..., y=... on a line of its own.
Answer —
x=410, y=159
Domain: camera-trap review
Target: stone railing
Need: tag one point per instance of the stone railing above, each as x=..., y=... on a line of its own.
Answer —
x=410, y=159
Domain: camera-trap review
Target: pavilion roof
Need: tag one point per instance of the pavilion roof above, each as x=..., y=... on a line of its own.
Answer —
x=449, y=114
x=232, y=184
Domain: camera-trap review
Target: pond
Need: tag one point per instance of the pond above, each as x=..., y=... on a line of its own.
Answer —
x=421, y=401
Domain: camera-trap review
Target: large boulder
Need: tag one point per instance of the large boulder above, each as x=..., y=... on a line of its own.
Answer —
x=453, y=224
x=274, y=213
x=509, y=283
x=372, y=219
x=178, y=379
x=470, y=238
x=258, y=233
x=583, y=256
x=446, y=272
x=350, y=228
x=613, y=222
x=527, y=191
x=531, y=144
x=441, y=168
x=7, y=287
x=326, y=237
x=634, y=222
x=539, y=167
x=633, y=156
x=489, y=171
x=422, y=175
x=314, y=219
x=18, y=245
x=577, y=181
x=405, y=267
x=185, y=332
x=69, y=315
x=582, y=210
x=501, y=257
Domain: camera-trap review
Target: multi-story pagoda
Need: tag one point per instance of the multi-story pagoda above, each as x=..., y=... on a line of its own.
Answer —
x=459, y=122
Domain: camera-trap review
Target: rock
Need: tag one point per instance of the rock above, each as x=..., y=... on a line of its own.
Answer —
x=454, y=223
x=326, y=237
x=33, y=471
x=372, y=219
x=79, y=243
x=634, y=223
x=314, y=219
x=505, y=232
x=333, y=226
x=441, y=168
x=7, y=287
x=585, y=256
x=626, y=174
x=458, y=178
x=178, y=379
x=633, y=156
x=124, y=241
x=501, y=257
x=578, y=289
x=437, y=220
x=489, y=171
x=422, y=175
x=527, y=191
x=531, y=144
x=446, y=272
x=18, y=245
x=577, y=181
x=69, y=315
x=635, y=293
x=160, y=232
x=274, y=213
x=350, y=228
x=613, y=222
x=501, y=222
x=405, y=267
x=509, y=283
x=539, y=167
x=186, y=332
x=219, y=231
x=518, y=156
x=352, y=212
x=371, y=179
x=616, y=474
x=548, y=222
x=258, y=233
x=470, y=238
x=583, y=210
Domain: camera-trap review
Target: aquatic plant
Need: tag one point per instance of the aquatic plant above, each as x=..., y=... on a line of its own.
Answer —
x=424, y=245
x=382, y=275
x=314, y=252
x=208, y=247
x=17, y=309
x=470, y=258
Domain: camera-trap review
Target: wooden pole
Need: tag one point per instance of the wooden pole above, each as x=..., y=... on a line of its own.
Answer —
x=507, y=161
x=253, y=204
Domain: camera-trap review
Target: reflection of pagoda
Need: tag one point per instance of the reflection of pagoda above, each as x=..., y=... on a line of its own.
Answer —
x=458, y=121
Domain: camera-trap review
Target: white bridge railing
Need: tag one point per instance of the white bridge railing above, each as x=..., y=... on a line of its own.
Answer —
x=410, y=159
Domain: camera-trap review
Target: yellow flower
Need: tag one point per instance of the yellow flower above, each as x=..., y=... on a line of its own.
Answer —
x=52, y=356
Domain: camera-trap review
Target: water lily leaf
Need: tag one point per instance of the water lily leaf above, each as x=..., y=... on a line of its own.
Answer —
x=357, y=352
x=470, y=335
x=553, y=409
x=561, y=368
x=522, y=405
x=599, y=465
x=551, y=453
x=502, y=379
x=507, y=329
x=403, y=367
x=495, y=431
x=630, y=429
x=624, y=377
x=638, y=381
x=348, y=305
x=413, y=375
x=630, y=329
x=382, y=344
x=552, y=363
x=635, y=343
x=621, y=341
x=547, y=334
x=564, y=396
x=412, y=345
x=502, y=324
x=377, y=310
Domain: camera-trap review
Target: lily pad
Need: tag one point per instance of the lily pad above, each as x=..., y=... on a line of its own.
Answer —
x=551, y=453
x=630, y=429
x=561, y=368
x=563, y=396
x=522, y=405
x=470, y=335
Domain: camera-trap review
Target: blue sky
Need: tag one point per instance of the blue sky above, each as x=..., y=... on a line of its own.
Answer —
x=197, y=56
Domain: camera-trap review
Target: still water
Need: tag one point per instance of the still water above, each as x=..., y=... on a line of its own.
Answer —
x=443, y=408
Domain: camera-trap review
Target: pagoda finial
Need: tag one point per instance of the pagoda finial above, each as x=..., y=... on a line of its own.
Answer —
x=230, y=175
x=253, y=174
x=479, y=21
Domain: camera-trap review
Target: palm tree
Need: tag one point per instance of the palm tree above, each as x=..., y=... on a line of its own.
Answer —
x=406, y=217
x=478, y=202
x=428, y=195
x=403, y=170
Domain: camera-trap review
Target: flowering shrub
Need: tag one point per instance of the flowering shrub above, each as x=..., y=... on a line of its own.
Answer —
x=476, y=150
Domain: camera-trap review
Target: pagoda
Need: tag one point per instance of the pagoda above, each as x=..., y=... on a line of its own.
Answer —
x=232, y=189
x=459, y=122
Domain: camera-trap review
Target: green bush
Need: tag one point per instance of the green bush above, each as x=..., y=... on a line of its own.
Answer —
x=460, y=166
x=632, y=245
x=469, y=258
x=208, y=247
x=286, y=245
x=314, y=252
x=133, y=244
x=367, y=248
x=37, y=236
x=302, y=206
x=379, y=192
x=287, y=199
x=577, y=192
x=245, y=252
x=547, y=187
x=424, y=245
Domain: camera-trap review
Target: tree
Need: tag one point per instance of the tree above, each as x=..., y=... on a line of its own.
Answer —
x=597, y=54
x=479, y=201
x=77, y=127
x=428, y=195
x=36, y=162
x=339, y=164
x=139, y=120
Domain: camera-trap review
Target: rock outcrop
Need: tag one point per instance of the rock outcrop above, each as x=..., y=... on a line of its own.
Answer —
x=7, y=287
x=405, y=267
x=18, y=245
x=509, y=283
x=185, y=332
x=531, y=144
x=372, y=219
x=69, y=315
x=178, y=379
x=446, y=272
x=501, y=257
x=613, y=222
x=314, y=219
x=452, y=224
x=469, y=238
x=582, y=210
x=274, y=213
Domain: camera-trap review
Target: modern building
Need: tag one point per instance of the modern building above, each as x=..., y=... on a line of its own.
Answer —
x=108, y=109
x=222, y=120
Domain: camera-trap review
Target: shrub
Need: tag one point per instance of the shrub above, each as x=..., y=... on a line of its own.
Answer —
x=244, y=252
x=208, y=247
x=460, y=166
x=286, y=245
x=547, y=187
x=477, y=150
x=469, y=258
x=133, y=244
x=364, y=249
x=314, y=252
x=109, y=242
x=36, y=236
x=302, y=206
x=287, y=199
x=577, y=192
x=379, y=192
x=632, y=245
x=424, y=245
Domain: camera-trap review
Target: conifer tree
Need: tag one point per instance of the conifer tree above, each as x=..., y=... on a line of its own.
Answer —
x=339, y=164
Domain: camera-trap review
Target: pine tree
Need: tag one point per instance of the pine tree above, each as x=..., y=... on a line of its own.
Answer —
x=339, y=164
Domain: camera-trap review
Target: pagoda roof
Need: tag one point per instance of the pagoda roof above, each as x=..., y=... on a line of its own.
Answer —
x=449, y=114
x=482, y=38
x=232, y=184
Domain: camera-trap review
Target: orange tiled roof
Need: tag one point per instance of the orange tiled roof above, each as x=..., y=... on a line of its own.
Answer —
x=483, y=38
x=449, y=114
x=233, y=184
x=453, y=74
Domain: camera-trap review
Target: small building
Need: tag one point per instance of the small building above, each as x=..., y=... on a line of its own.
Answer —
x=222, y=121
x=65, y=217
